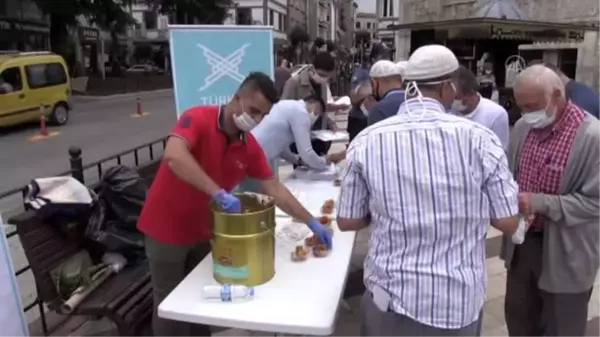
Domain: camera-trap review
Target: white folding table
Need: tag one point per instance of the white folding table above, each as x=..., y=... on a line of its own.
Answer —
x=302, y=298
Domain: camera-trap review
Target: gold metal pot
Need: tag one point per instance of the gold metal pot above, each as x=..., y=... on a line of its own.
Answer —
x=243, y=245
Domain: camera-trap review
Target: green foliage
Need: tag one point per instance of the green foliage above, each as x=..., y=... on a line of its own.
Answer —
x=194, y=11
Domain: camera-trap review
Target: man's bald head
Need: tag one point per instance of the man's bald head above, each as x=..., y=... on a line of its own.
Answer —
x=539, y=88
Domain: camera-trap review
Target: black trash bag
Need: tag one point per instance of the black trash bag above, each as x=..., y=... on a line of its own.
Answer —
x=113, y=222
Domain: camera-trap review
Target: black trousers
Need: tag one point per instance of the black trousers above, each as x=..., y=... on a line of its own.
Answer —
x=355, y=126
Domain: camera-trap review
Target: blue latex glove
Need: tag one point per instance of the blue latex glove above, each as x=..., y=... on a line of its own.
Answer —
x=228, y=202
x=321, y=232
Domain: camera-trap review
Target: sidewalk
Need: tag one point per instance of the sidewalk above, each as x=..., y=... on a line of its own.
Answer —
x=141, y=94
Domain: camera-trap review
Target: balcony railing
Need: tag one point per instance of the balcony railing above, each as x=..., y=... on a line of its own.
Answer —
x=150, y=34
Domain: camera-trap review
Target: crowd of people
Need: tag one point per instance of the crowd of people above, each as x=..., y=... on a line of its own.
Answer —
x=430, y=167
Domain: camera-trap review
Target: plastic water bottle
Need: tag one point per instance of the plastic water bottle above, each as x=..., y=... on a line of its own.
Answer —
x=228, y=292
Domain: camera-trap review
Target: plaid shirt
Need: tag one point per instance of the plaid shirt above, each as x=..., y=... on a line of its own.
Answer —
x=544, y=156
x=431, y=183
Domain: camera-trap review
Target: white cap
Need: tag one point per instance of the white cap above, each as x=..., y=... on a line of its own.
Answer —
x=429, y=62
x=402, y=66
x=384, y=68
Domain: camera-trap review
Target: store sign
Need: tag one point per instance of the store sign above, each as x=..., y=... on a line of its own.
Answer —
x=548, y=34
x=210, y=62
x=88, y=34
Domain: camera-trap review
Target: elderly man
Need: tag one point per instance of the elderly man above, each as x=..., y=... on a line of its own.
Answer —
x=386, y=81
x=429, y=184
x=554, y=157
x=579, y=93
x=471, y=105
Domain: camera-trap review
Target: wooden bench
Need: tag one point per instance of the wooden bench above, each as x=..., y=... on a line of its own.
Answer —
x=124, y=298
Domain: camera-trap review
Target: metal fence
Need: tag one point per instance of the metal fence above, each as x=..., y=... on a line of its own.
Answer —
x=77, y=171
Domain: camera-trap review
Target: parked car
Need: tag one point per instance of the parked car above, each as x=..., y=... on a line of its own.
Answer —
x=33, y=84
x=145, y=69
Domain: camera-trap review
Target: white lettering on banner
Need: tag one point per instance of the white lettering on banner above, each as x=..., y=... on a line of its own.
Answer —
x=216, y=100
x=12, y=318
x=222, y=66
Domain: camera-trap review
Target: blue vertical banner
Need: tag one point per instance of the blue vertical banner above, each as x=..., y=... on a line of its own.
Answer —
x=209, y=62
x=12, y=318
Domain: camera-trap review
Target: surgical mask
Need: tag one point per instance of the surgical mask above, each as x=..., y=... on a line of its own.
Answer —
x=488, y=72
x=539, y=119
x=459, y=106
x=364, y=110
x=313, y=117
x=412, y=91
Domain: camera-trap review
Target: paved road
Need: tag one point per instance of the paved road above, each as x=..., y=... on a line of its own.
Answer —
x=99, y=126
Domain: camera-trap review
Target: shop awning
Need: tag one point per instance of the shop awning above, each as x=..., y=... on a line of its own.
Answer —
x=483, y=21
x=499, y=13
x=551, y=45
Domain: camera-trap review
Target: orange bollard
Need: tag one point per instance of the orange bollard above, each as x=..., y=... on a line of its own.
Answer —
x=139, y=111
x=43, y=128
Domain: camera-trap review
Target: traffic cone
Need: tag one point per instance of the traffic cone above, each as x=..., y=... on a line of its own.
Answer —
x=139, y=112
x=139, y=107
x=43, y=127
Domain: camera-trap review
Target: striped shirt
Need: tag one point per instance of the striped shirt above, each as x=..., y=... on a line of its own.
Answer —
x=431, y=184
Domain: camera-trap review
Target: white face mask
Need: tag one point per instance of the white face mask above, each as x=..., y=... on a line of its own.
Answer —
x=539, y=119
x=364, y=110
x=458, y=106
x=244, y=122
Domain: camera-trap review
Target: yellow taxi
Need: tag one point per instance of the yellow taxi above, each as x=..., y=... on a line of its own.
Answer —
x=33, y=84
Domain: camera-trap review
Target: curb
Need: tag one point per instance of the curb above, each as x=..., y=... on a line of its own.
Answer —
x=121, y=96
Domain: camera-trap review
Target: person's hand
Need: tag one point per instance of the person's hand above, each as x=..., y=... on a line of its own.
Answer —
x=321, y=232
x=369, y=102
x=228, y=202
x=525, y=205
x=336, y=157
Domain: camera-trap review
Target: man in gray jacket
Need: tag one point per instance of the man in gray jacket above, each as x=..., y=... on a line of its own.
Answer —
x=554, y=156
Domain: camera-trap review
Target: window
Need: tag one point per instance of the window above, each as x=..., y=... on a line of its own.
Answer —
x=150, y=20
x=11, y=80
x=45, y=75
x=368, y=25
x=358, y=25
x=244, y=16
x=388, y=8
x=271, y=18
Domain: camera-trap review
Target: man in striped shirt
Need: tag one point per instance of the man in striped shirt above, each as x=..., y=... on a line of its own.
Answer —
x=428, y=184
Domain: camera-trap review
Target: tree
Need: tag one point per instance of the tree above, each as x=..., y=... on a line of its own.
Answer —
x=297, y=38
x=194, y=11
x=112, y=16
x=63, y=15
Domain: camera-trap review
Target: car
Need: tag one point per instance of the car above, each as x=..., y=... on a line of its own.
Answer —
x=33, y=84
x=144, y=69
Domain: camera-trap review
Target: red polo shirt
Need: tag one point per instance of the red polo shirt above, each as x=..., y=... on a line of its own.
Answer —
x=176, y=212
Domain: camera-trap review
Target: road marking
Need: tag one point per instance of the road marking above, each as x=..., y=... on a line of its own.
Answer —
x=222, y=66
x=38, y=137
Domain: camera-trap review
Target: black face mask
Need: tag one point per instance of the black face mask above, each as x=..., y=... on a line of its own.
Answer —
x=375, y=88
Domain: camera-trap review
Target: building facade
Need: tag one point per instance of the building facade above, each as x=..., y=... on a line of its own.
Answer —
x=367, y=22
x=298, y=14
x=23, y=26
x=580, y=53
x=388, y=12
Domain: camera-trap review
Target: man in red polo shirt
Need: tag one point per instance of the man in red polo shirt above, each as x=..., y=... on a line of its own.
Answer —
x=208, y=153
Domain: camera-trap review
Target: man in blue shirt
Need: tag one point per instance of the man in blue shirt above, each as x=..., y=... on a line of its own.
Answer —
x=386, y=79
x=579, y=93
